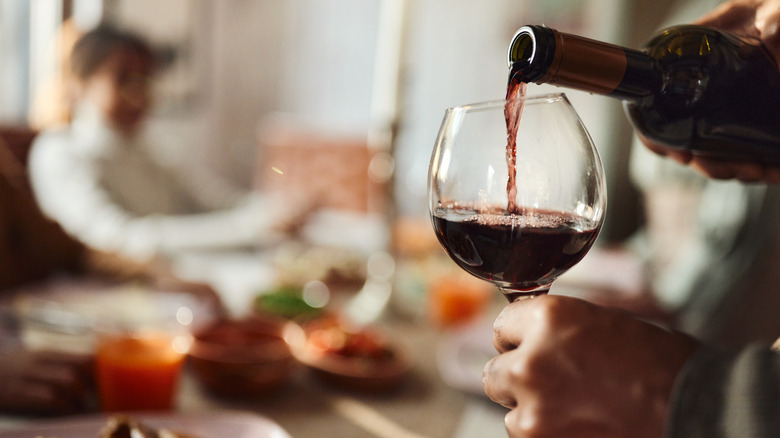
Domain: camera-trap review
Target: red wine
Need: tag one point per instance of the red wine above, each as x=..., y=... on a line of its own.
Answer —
x=693, y=87
x=519, y=251
x=513, y=112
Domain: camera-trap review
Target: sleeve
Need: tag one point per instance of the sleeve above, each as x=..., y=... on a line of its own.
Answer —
x=193, y=175
x=726, y=394
x=67, y=189
x=209, y=191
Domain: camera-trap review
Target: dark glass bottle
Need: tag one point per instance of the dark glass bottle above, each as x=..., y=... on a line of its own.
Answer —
x=692, y=87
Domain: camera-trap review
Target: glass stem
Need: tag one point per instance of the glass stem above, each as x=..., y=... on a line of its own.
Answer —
x=522, y=294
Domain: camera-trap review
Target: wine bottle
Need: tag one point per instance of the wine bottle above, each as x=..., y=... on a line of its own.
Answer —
x=692, y=87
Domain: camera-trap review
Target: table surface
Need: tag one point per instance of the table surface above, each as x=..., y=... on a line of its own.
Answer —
x=422, y=406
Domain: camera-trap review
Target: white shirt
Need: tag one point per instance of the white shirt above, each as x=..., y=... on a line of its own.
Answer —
x=113, y=194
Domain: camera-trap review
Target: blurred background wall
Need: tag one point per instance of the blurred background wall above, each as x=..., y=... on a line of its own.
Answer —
x=382, y=68
x=246, y=74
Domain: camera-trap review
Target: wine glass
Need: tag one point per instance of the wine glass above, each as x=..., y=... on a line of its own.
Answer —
x=519, y=234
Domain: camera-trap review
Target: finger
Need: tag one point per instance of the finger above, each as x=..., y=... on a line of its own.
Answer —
x=527, y=320
x=743, y=171
x=511, y=324
x=772, y=175
x=514, y=424
x=523, y=422
x=497, y=382
x=749, y=172
x=680, y=156
x=767, y=20
x=737, y=17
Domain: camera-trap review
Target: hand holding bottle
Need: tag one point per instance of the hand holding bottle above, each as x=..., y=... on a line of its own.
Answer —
x=754, y=18
x=751, y=18
x=704, y=96
x=746, y=171
x=570, y=368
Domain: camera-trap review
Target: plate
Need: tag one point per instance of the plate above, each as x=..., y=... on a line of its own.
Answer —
x=200, y=425
x=462, y=354
x=356, y=371
x=63, y=316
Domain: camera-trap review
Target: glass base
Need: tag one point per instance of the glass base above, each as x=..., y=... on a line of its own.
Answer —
x=523, y=294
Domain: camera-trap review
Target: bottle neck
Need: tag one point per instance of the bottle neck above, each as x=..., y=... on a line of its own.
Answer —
x=542, y=55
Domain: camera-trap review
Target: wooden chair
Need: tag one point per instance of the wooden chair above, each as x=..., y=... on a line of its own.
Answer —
x=18, y=140
x=32, y=247
x=334, y=169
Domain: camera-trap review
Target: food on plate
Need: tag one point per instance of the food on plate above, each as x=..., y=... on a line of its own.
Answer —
x=329, y=336
x=120, y=426
x=361, y=358
x=286, y=302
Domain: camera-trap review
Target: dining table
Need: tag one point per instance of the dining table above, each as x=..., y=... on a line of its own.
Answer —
x=422, y=405
x=440, y=397
x=426, y=403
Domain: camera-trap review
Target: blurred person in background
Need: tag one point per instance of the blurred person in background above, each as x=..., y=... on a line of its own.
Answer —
x=99, y=177
x=33, y=251
x=570, y=368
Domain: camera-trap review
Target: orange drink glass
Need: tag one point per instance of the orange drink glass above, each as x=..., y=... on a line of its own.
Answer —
x=457, y=298
x=137, y=372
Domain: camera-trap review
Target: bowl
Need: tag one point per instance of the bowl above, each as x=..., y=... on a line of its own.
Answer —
x=358, y=358
x=242, y=358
